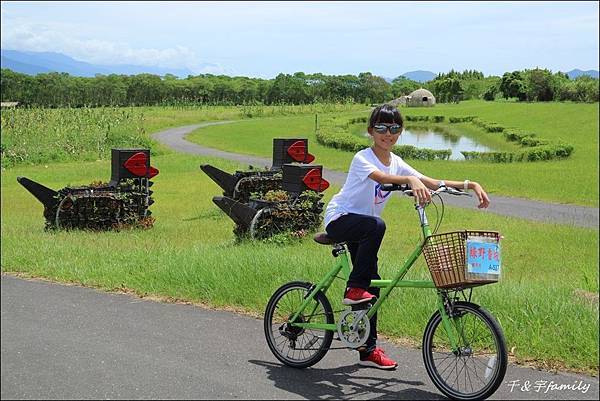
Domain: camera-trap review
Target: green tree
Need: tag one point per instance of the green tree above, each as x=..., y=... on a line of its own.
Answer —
x=540, y=85
x=447, y=90
x=288, y=89
x=144, y=89
x=512, y=84
x=372, y=89
x=402, y=86
x=490, y=93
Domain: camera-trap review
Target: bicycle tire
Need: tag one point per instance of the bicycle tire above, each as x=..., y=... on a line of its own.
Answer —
x=283, y=340
x=468, y=313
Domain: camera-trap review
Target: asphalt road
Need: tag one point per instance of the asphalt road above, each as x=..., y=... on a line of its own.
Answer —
x=70, y=342
x=581, y=216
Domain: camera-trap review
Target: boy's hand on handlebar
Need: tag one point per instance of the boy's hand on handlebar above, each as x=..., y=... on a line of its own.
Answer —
x=484, y=200
x=420, y=191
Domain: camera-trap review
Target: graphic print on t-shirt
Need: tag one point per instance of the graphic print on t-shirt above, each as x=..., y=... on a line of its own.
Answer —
x=380, y=195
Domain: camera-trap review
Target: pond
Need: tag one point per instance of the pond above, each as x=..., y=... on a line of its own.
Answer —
x=432, y=139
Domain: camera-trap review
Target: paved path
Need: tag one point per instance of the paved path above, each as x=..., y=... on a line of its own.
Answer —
x=526, y=209
x=70, y=342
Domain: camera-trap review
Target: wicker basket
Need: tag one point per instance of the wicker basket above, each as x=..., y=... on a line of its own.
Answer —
x=445, y=255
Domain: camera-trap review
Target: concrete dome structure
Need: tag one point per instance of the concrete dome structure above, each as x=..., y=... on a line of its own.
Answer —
x=420, y=98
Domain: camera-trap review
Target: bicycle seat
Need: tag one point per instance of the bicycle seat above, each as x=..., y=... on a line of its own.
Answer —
x=323, y=238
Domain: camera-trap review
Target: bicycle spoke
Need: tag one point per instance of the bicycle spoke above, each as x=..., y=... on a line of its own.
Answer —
x=468, y=376
x=477, y=375
x=449, y=365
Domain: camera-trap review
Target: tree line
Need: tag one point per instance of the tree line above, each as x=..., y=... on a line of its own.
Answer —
x=541, y=85
x=535, y=85
x=63, y=90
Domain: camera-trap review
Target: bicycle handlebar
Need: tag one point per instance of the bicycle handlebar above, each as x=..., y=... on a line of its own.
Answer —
x=408, y=191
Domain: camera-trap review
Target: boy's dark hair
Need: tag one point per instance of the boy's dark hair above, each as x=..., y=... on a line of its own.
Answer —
x=386, y=113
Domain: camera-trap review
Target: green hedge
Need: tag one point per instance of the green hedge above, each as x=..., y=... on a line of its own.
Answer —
x=467, y=119
x=341, y=140
x=435, y=119
x=538, y=153
x=358, y=120
x=412, y=152
x=523, y=138
x=488, y=126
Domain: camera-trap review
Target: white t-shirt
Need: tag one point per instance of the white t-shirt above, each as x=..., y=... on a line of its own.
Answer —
x=360, y=194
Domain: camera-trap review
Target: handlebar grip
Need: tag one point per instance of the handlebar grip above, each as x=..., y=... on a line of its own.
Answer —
x=394, y=187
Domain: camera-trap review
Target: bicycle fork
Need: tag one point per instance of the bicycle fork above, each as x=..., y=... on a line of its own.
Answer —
x=452, y=324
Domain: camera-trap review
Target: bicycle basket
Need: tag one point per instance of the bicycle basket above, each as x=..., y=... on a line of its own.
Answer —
x=447, y=258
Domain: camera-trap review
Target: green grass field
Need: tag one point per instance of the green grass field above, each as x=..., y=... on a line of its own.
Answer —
x=38, y=136
x=190, y=254
x=550, y=271
x=573, y=181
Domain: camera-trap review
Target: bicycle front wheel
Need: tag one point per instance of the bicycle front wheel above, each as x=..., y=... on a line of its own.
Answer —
x=477, y=367
x=295, y=346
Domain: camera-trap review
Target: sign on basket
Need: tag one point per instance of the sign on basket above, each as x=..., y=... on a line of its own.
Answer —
x=483, y=256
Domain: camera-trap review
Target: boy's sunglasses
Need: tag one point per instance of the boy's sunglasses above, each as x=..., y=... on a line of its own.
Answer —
x=382, y=128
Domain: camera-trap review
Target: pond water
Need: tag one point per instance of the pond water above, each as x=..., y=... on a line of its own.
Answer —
x=431, y=139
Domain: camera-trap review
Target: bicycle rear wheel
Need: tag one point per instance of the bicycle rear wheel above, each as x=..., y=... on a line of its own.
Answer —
x=478, y=367
x=295, y=346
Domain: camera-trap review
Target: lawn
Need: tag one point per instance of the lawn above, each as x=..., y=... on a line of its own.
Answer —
x=191, y=255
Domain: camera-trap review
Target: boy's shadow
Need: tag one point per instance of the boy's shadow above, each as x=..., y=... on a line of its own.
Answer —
x=342, y=382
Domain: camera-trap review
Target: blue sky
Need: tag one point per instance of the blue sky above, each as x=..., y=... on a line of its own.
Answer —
x=262, y=39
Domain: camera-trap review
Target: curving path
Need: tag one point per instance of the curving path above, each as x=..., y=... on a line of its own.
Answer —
x=580, y=216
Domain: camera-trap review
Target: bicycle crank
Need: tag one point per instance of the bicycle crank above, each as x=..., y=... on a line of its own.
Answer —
x=354, y=327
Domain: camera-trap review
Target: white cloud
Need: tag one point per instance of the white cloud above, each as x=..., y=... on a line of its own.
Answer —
x=47, y=38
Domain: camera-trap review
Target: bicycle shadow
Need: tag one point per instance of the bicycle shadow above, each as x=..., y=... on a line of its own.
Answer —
x=343, y=383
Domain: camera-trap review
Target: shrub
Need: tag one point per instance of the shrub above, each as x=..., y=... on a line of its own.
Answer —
x=416, y=118
x=357, y=120
x=488, y=126
x=513, y=135
x=454, y=120
x=538, y=153
x=531, y=141
x=412, y=152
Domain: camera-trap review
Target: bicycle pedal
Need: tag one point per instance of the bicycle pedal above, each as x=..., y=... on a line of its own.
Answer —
x=363, y=306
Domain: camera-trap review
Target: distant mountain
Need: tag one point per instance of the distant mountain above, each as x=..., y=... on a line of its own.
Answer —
x=22, y=67
x=577, y=73
x=40, y=62
x=420, y=76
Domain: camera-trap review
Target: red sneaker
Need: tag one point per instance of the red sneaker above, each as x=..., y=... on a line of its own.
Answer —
x=357, y=296
x=378, y=359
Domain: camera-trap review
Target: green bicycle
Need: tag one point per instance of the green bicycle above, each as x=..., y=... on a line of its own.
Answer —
x=463, y=344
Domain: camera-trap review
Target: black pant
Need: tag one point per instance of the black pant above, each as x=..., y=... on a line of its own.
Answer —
x=363, y=235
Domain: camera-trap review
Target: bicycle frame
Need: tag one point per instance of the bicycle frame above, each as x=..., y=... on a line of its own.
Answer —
x=343, y=266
